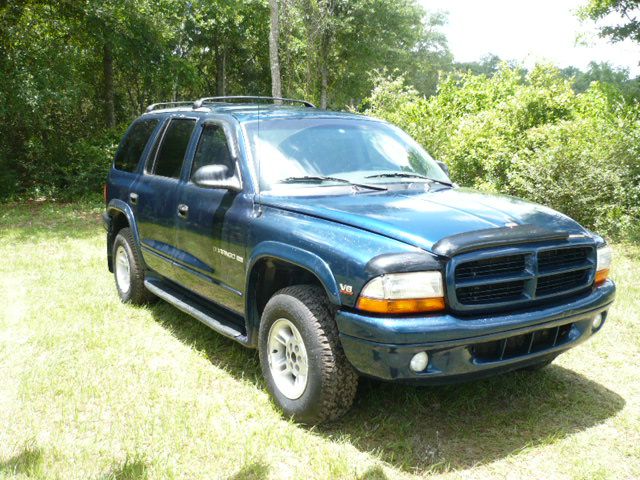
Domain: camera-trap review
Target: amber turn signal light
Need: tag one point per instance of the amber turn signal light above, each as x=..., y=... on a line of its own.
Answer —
x=601, y=276
x=405, y=305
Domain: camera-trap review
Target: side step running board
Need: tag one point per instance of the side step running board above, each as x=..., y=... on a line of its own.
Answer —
x=182, y=302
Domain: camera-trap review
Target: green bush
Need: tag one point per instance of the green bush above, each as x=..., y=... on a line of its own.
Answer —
x=530, y=135
x=67, y=171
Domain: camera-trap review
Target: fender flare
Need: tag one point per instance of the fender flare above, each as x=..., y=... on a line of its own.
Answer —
x=116, y=205
x=296, y=256
x=299, y=257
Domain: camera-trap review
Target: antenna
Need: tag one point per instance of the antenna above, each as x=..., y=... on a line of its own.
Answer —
x=259, y=186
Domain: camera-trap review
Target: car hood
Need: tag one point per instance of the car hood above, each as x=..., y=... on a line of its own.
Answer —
x=422, y=218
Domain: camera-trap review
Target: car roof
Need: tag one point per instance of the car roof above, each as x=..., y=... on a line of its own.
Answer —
x=247, y=112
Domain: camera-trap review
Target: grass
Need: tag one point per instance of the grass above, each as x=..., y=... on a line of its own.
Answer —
x=94, y=389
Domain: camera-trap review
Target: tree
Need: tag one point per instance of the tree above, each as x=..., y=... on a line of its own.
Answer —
x=274, y=47
x=628, y=12
x=333, y=47
x=605, y=74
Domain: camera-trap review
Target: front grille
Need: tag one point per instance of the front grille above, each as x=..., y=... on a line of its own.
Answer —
x=520, y=345
x=490, y=267
x=561, y=257
x=494, y=292
x=518, y=276
x=560, y=282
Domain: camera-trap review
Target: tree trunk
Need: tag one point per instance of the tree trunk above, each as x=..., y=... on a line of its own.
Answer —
x=274, y=40
x=324, y=69
x=221, y=71
x=109, y=101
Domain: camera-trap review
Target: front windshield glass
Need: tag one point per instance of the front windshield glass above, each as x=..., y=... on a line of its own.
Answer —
x=300, y=152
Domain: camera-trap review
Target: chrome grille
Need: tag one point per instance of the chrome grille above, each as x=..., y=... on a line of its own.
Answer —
x=511, y=276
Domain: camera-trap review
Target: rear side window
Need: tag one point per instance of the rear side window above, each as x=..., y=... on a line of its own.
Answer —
x=171, y=153
x=132, y=146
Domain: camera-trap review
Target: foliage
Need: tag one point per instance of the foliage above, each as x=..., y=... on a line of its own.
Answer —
x=628, y=12
x=75, y=73
x=530, y=135
x=606, y=74
x=350, y=38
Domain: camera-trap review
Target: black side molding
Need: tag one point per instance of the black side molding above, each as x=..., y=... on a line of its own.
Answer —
x=495, y=237
x=402, y=262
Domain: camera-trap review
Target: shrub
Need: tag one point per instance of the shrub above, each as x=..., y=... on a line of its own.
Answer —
x=530, y=135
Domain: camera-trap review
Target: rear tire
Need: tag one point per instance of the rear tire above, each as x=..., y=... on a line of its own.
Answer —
x=128, y=269
x=306, y=370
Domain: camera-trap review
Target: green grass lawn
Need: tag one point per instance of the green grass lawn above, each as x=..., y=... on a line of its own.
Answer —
x=93, y=389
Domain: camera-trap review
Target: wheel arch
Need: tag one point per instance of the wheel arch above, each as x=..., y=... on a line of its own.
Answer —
x=121, y=216
x=275, y=265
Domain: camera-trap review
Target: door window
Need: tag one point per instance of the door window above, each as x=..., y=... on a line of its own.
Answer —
x=170, y=156
x=213, y=149
x=133, y=145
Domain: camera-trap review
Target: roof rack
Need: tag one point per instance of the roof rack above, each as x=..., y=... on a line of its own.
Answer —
x=153, y=106
x=199, y=103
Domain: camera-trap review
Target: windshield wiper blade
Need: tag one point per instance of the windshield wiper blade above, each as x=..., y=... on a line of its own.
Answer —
x=321, y=178
x=313, y=179
x=408, y=175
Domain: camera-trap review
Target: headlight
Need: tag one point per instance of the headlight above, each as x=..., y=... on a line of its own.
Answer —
x=413, y=292
x=605, y=255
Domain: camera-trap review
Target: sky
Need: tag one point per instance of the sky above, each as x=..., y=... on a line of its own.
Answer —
x=529, y=31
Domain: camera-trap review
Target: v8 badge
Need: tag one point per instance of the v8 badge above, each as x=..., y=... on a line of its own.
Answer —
x=346, y=289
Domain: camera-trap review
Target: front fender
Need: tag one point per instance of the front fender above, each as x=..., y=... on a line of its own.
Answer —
x=297, y=256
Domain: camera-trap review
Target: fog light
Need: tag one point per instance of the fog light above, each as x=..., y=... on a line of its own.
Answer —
x=419, y=362
x=597, y=321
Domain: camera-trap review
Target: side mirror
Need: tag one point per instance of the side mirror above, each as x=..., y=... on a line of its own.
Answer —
x=216, y=176
x=444, y=168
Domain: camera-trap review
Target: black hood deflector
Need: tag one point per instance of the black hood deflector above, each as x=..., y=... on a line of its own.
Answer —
x=496, y=237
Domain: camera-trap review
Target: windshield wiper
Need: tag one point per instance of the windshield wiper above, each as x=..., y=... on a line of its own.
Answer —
x=320, y=179
x=408, y=175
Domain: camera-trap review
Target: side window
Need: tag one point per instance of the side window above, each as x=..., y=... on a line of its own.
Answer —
x=170, y=156
x=213, y=149
x=132, y=146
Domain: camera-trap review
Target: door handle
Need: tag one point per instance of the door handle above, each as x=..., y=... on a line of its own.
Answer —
x=133, y=198
x=183, y=210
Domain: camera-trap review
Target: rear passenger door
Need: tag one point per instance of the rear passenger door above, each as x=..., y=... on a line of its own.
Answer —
x=133, y=147
x=211, y=232
x=154, y=197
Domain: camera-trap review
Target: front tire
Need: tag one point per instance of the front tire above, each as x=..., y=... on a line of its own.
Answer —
x=128, y=269
x=306, y=370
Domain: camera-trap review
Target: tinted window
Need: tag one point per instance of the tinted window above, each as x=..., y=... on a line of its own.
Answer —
x=133, y=145
x=174, y=146
x=213, y=150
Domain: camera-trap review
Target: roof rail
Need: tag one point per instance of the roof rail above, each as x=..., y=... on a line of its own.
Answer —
x=199, y=103
x=153, y=106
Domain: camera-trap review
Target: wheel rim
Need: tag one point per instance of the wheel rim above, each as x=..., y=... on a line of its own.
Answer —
x=123, y=270
x=288, y=361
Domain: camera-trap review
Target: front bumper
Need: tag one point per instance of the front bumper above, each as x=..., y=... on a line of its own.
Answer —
x=466, y=348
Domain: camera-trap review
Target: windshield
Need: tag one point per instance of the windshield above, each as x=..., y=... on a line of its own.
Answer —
x=301, y=152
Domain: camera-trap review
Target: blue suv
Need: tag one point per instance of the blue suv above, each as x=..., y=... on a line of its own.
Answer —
x=338, y=247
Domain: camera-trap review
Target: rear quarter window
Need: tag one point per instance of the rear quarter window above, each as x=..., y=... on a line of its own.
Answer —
x=133, y=145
